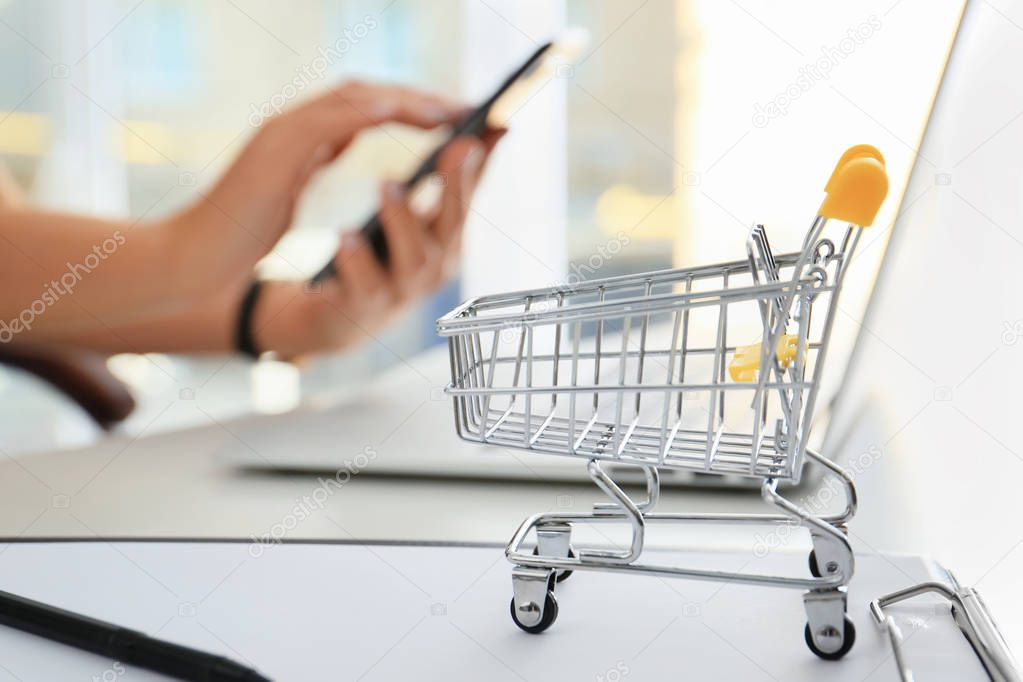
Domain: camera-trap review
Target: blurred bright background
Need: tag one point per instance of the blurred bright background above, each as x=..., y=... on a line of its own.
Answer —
x=684, y=122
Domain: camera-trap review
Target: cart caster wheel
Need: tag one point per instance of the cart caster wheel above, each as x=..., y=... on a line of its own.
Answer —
x=563, y=574
x=550, y=614
x=815, y=570
x=847, y=642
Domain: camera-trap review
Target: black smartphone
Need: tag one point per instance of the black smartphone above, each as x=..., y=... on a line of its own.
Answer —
x=476, y=123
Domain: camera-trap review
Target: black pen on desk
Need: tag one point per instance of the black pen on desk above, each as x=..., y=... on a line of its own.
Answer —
x=128, y=646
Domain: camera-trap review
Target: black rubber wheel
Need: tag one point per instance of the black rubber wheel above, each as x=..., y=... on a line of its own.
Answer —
x=562, y=575
x=815, y=570
x=847, y=642
x=550, y=614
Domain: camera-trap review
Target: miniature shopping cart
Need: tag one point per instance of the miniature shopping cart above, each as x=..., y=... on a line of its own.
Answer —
x=710, y=369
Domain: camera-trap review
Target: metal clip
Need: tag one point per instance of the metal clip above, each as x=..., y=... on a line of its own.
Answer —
x=972, y=617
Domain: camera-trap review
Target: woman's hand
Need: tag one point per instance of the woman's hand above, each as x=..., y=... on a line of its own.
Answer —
x=294, y=319
x=231, y=227
x=176, y=286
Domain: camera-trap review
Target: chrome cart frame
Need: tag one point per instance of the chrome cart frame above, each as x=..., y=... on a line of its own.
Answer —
x=645, y=370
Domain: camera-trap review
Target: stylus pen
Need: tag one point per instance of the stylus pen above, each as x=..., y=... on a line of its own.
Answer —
x=122, y=644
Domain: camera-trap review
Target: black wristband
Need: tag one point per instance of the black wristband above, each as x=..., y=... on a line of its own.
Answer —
x=243, y=338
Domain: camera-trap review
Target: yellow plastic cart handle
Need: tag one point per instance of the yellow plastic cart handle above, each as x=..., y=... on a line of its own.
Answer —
x=857, y=187
x=856, y=151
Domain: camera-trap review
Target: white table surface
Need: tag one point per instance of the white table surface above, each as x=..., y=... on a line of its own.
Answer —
x=351, y=612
